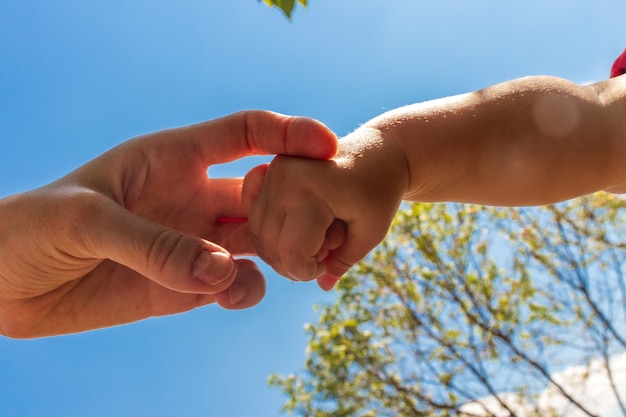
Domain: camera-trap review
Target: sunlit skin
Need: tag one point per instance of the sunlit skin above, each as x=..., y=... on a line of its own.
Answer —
x=141, y=231
x=529, y=141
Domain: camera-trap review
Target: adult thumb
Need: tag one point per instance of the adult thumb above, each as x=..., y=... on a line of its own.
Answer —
x=175, y=260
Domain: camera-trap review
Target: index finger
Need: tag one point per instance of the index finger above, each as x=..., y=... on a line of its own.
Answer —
x=260, y=132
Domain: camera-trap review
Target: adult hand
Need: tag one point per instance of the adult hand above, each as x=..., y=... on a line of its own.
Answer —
x=142, y=230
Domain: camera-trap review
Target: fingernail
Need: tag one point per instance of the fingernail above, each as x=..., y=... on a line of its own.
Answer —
x=237, y=292
x=328, y=282
x=212, y=267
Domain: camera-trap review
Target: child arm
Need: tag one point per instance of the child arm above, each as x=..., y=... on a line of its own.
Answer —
x=530, y=141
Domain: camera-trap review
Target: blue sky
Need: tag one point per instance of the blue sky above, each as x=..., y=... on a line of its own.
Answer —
x=78, y=77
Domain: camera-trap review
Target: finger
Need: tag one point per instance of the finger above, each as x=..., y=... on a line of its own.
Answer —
x=302, y=237
x=261, y=133
x=235, y=237
x=246, y=291
x=327, y=281
x=175, y=260
x=252, y=185
x=336, y=234
x=340, y=260
x=265, y=227
x=335, y=237
x=222, y=210
x=222, y=198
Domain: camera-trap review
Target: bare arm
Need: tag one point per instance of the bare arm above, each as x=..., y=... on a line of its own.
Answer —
x=529, y=141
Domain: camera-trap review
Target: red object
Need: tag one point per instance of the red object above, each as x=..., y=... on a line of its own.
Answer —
x=232, y=219
x=619, y=66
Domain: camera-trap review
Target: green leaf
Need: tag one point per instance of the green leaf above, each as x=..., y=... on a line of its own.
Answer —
x=286, y=6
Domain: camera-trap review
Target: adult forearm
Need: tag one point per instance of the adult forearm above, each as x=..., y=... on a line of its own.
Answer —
x=530, y=141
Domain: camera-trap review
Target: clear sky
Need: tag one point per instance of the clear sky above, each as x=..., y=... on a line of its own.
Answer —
x=78, y=77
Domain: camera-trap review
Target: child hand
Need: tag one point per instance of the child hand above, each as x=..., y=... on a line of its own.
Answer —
x=315, y=219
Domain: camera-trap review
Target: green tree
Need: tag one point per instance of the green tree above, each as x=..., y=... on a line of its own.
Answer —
x=470, y=310
x=287, y=6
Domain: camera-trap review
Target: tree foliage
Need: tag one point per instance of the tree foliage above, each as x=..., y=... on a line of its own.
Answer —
x=470, y=310
x=287, y=6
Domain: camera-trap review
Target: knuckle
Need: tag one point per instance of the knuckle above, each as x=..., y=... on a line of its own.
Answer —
x=300, y=267
x=75, y=213
x=165, y=244
x=270, y=257
x=337, y=266
x=81, y=206
x=267, y=255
